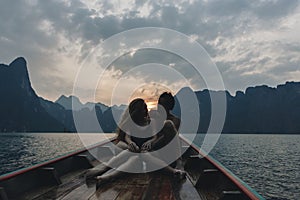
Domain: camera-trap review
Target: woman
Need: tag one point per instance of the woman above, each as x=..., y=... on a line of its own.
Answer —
x=133, y=120
x=137, y=132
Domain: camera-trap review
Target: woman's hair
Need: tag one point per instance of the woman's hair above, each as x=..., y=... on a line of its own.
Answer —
x=167, y=100
x=134, y=112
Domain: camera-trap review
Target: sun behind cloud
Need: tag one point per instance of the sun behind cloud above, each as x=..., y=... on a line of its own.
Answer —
x=150, y=93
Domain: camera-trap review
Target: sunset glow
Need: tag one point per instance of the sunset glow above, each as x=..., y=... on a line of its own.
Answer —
x=150, y=93
x=151, y=105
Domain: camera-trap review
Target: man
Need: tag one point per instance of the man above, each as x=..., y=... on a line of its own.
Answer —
x=169, y=132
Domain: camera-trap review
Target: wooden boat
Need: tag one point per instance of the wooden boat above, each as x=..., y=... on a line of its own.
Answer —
x=63, y=178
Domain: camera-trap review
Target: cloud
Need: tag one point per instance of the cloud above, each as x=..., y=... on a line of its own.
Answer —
x=273, y=10
x=252, y=42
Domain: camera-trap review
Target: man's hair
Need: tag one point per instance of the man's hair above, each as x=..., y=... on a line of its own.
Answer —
x=167, y=100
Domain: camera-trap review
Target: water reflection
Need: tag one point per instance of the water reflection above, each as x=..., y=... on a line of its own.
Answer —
x=19, y=150
x=270, y=164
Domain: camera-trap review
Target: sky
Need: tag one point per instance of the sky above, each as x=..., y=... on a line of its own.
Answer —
x=249, y=42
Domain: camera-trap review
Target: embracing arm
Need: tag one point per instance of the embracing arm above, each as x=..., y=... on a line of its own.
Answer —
x=147, y=146
x=128, y=139
x=131, y=145
x=158, y=139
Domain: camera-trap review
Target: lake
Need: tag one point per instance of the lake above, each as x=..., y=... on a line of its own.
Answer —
x=270, y=164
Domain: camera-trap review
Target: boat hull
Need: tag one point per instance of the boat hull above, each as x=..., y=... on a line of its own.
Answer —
x=63, y=178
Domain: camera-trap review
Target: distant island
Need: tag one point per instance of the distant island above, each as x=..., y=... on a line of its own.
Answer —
x=260, y=109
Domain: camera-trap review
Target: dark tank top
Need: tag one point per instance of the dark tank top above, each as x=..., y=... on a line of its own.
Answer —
x=139, y=141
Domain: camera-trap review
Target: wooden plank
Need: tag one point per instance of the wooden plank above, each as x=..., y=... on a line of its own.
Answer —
x=105, y=195
x=185, y=190
x=134, y=187
x=160, y=188
x=147, y=186
x=131, y=187
x=70, y=183
x=132, y=193
x=82, y=192
x=166, y=191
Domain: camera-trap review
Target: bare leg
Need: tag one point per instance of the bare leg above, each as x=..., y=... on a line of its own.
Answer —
x=114, y=162
x=119, y=159
x=156, y=163
x=120, y=146
x=129, y=165
x=169, y=151
x=92, y=173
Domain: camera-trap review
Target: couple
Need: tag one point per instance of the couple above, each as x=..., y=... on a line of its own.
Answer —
x=141, y=136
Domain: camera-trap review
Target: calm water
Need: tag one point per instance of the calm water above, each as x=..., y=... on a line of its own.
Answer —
x=270, y=164
x=19, y=150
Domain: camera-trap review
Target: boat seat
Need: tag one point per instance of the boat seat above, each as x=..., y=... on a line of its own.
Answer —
x=232, y=195
x=198, y=168
x=185, y=150
x=83, y=161
x=208, y=178
x=50, y=174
